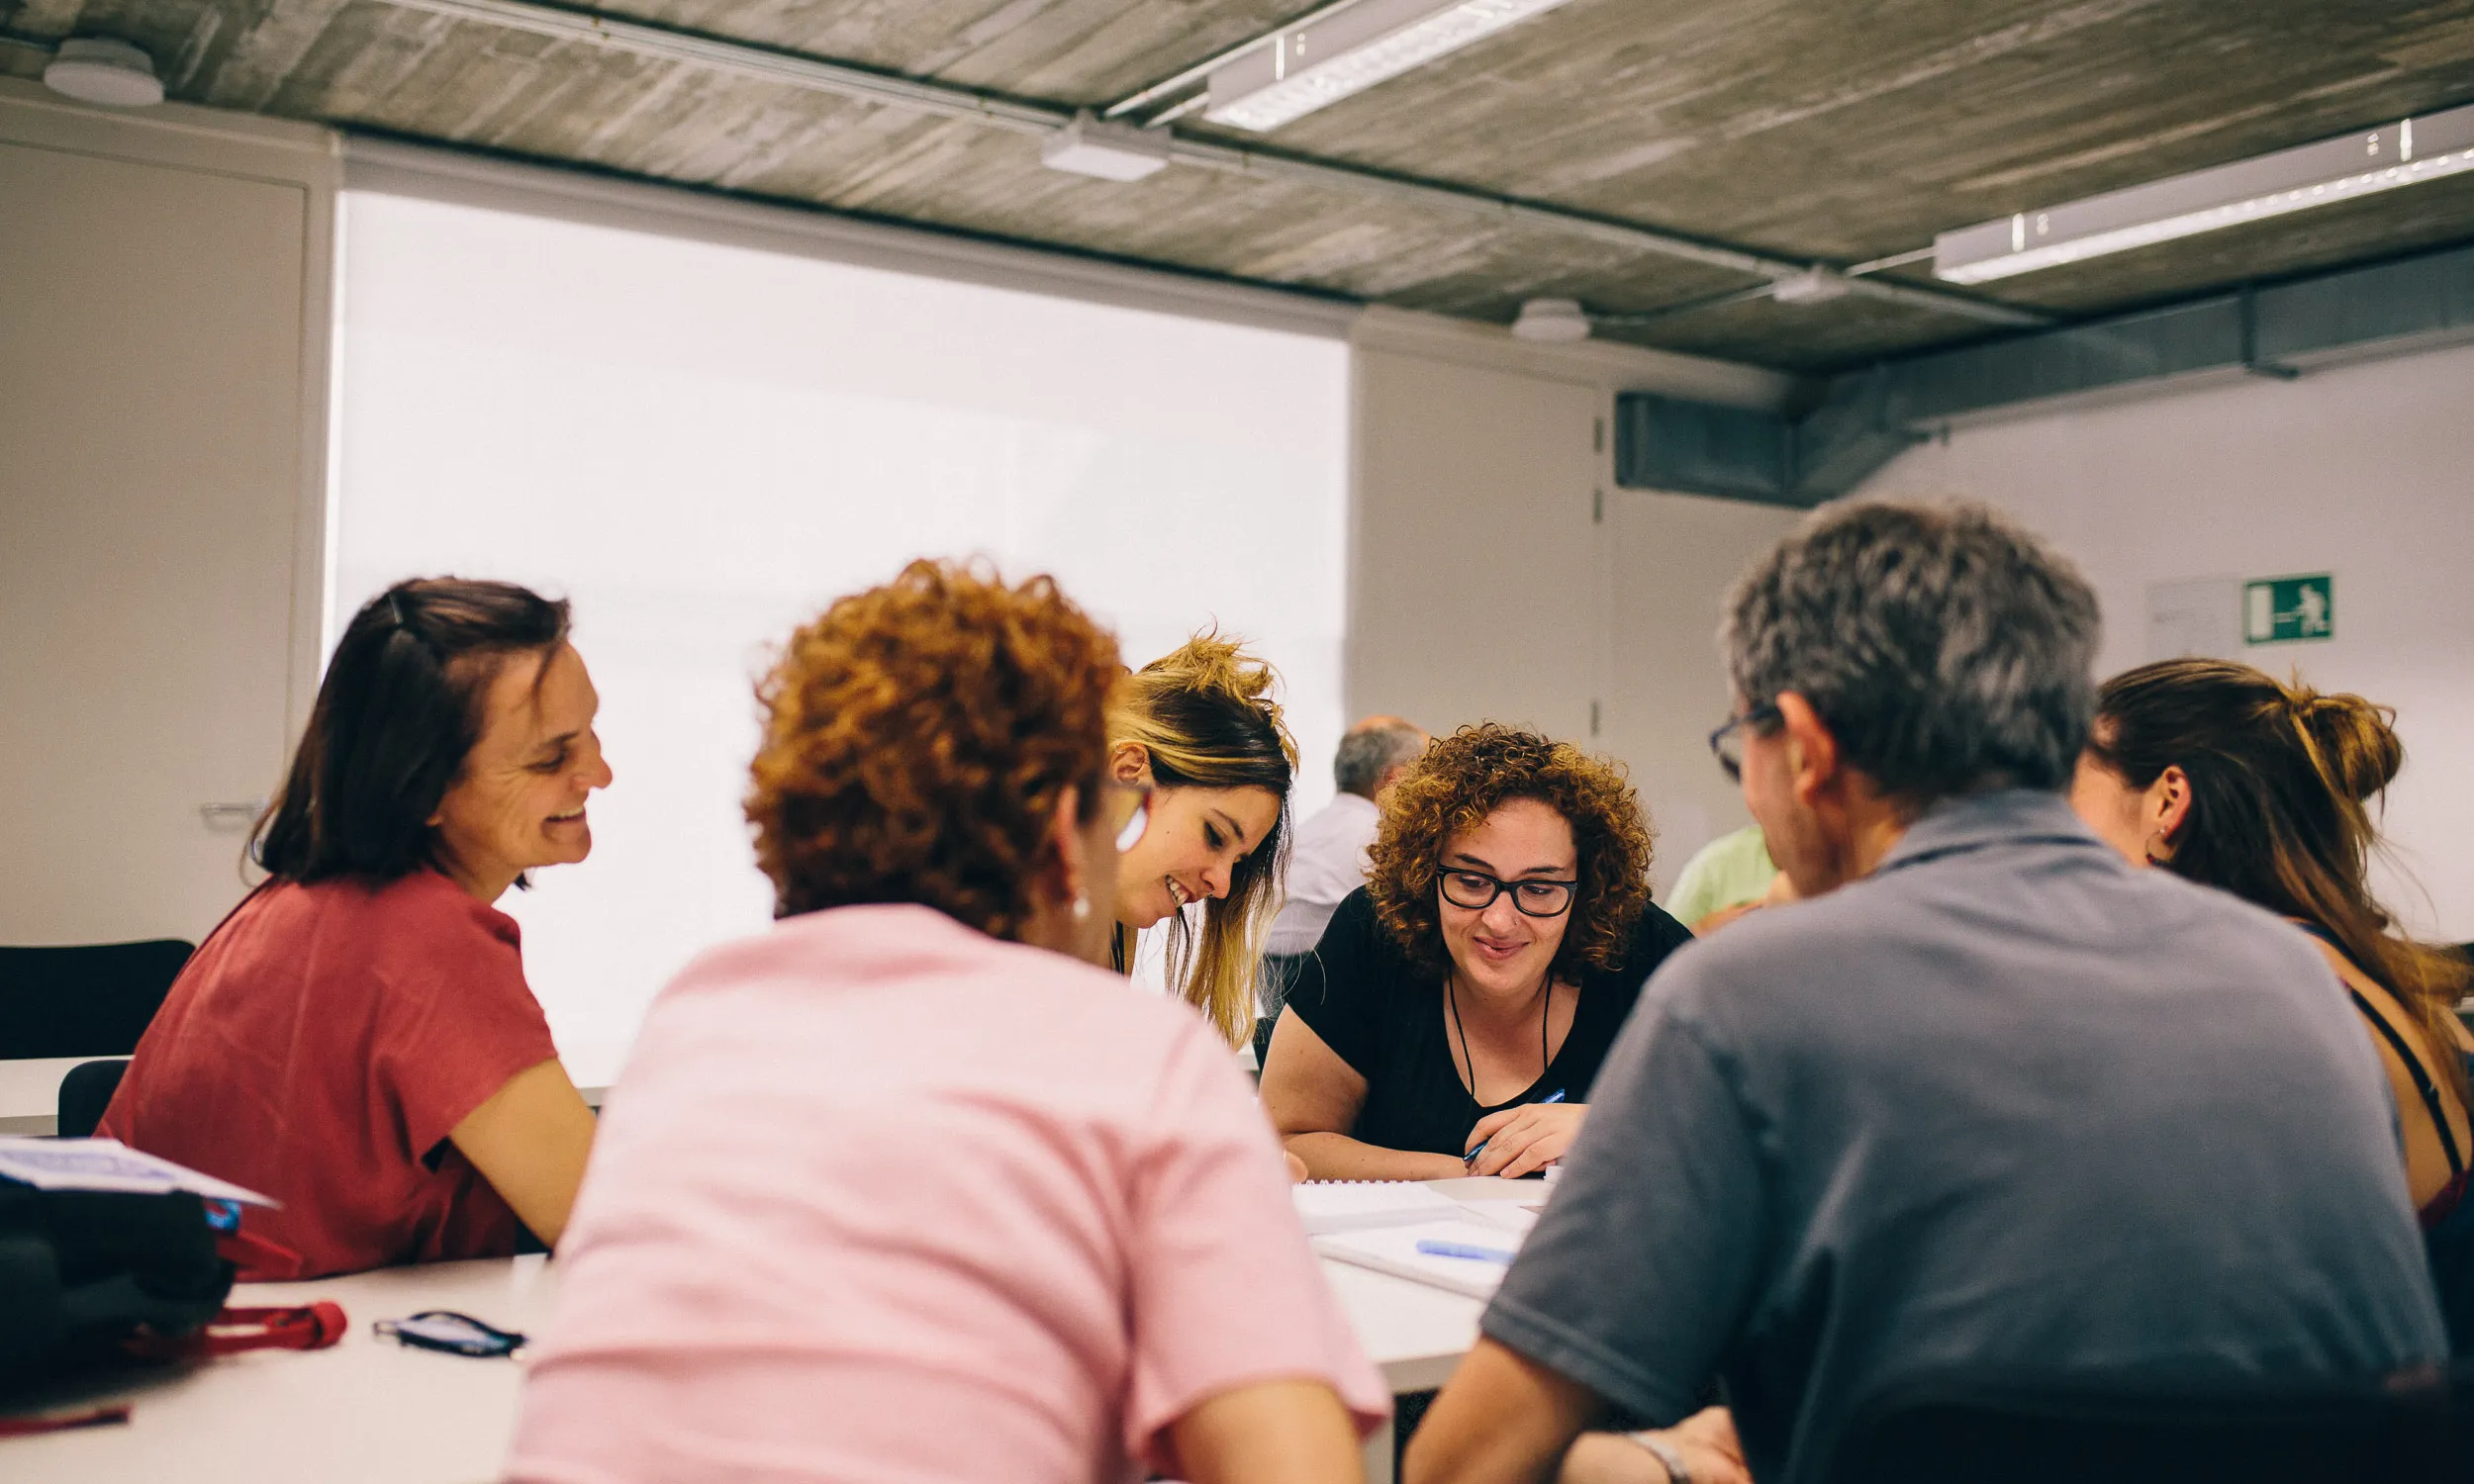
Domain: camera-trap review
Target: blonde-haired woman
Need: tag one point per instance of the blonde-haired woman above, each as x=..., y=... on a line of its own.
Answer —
x=1198, y=728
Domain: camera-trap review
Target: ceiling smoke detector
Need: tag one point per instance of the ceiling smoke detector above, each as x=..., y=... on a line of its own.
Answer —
x=97, y=70
x=1550, y=322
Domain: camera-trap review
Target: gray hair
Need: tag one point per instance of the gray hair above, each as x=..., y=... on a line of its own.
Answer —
x=1948, y=650
x=1370, y=750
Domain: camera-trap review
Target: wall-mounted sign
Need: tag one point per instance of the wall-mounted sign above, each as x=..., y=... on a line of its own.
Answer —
x=2195, y=615
x=2281, y=610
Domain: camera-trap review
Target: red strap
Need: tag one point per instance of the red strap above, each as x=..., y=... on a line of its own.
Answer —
x=62, y=1422
x=259, y=1260
x=312, y=1327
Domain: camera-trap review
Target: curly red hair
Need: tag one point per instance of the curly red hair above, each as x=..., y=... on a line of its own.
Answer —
x=917, y=738
x=1464, y=778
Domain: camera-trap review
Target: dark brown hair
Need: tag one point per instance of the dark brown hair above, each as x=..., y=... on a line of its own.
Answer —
x=2280, y=779
x=1466, y=776
x=918, y=736
x=396, y=716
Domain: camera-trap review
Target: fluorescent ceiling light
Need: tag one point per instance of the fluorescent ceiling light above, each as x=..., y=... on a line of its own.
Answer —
x=2344, y=168
x=1326, y=59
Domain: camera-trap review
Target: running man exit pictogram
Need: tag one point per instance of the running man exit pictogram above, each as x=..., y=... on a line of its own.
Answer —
x=2280, y=609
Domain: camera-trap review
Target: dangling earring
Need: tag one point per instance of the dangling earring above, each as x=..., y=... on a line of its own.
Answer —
x=2147, y=847
x=1082, y=907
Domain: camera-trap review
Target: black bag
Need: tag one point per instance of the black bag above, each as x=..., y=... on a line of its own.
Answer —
x=81, y=1271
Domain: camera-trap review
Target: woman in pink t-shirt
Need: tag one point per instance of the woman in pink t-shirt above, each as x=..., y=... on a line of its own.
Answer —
x=902, y=1192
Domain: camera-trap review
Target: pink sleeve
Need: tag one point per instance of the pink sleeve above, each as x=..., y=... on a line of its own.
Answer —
x=459, y=1022
x=1225, y=1290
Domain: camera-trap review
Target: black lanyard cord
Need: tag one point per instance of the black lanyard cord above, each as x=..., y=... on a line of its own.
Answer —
x=1545, y=1022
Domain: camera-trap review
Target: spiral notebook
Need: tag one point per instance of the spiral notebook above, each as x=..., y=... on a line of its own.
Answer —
x=1357, y=1205
x=1394, y=1249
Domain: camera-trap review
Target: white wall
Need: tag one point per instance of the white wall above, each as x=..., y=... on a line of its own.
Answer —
x=759, y=432
x=163, y=385
x=1670, y=559
x=2360, y=471
x=1497, y=574
x=164, y=355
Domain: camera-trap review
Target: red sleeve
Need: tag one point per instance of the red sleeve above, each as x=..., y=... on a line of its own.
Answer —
x=1225, y=1292
x=457, y=1019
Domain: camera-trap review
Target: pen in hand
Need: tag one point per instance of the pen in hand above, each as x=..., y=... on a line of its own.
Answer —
x=1471, y=1158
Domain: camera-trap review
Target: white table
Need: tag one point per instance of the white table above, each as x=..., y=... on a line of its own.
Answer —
x=30, y=1087
x=369, y=1410
x=373, y=1412
x=30, y=1092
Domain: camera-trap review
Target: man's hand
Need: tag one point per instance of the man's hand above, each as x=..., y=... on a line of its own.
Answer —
x=1528, y=1137
x=1705, y=1441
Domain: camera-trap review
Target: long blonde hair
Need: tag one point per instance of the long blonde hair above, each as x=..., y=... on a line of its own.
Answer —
x=1205, y=718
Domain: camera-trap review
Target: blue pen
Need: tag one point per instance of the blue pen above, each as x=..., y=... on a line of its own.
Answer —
x=1471, y=1158
x=1429, y=1248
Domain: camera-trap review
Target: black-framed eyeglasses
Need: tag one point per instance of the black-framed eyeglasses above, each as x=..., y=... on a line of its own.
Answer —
x=1475, y=891
x=1727, y=743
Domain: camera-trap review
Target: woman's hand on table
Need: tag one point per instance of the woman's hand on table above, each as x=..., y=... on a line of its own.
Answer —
x=1524, y=1139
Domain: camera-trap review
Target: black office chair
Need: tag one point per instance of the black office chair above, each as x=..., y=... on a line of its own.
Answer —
x=85, y=1093
x=86, y=1001
x=1971, y=1427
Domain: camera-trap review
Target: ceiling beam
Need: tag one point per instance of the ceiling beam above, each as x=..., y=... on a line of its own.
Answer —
x=1032, y=117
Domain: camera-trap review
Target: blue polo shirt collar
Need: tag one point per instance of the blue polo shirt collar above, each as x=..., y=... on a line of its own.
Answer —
x=2007, y=816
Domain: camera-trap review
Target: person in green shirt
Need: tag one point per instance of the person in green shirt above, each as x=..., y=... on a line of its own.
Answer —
x=1723, y=879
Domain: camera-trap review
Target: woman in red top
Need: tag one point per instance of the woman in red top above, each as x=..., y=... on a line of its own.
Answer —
x=357, y=1040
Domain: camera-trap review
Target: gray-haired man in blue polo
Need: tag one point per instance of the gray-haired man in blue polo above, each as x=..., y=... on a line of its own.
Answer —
x=1989, y=1097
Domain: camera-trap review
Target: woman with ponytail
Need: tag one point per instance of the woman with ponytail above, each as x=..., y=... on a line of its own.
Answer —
x=1197, y=729
x=2217, y=772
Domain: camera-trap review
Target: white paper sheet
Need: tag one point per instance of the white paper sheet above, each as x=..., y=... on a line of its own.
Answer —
x=109, y=1164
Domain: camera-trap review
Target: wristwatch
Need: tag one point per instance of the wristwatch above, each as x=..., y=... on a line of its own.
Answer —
x=1664, y=1453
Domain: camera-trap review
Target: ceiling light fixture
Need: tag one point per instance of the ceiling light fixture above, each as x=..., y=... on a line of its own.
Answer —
x=1329, y=56
x=2345, y=168
x=97, y=70
x=1815, y=286
x=1111, y=152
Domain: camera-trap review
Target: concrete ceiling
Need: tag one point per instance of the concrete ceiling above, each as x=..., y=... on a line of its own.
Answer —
x=1840, y=130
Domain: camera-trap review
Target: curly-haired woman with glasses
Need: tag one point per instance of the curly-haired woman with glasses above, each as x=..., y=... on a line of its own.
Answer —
x=1453, y=1016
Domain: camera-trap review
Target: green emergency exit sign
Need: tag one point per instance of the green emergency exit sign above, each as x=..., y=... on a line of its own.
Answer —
x=2281, y=610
